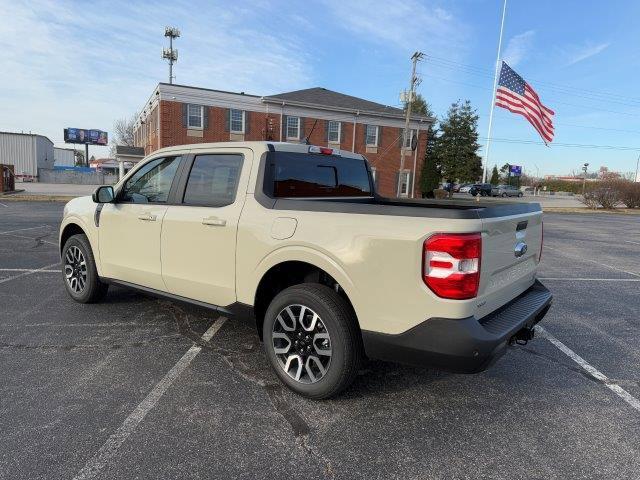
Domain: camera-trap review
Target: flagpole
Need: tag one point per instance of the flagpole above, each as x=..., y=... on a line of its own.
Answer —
x=493, y=96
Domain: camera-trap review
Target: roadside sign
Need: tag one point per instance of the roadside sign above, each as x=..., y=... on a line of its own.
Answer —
x=515, y=170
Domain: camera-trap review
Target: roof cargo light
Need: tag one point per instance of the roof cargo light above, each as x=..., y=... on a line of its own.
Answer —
x=323, y=150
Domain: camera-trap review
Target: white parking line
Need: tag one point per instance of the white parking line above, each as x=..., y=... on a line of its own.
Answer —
x=5, y=206
x=22, y=229
x=570, y=279
x=594, y=372
x=48, y=242
x=115, y=441
x=629, y=241
x=30, y=272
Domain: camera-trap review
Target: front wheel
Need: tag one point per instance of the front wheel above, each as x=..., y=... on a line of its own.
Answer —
x=79, y=271
x=504, y=195
x=519, y=194
x=312, y=340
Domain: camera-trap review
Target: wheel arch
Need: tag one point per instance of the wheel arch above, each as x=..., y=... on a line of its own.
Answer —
x=70, y=229
x=295, y=271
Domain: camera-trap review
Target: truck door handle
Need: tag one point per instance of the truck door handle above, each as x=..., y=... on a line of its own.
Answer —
x=215, y=222
x=147, y=217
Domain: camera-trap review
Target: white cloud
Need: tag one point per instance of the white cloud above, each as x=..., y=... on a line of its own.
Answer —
x=67, y=64
x=579, y=53
x=407, y=24
x=518, y=47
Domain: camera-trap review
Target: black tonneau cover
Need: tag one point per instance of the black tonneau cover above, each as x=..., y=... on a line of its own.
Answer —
x=406, y=207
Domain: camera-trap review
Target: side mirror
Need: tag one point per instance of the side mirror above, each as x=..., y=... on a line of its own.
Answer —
x=104, y=194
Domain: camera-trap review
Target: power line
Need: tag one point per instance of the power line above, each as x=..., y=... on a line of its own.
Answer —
x=560, y=144
x=563, y=88
x=553, y=100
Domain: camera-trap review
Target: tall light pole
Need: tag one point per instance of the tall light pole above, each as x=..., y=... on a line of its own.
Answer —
x=415, y=58
x=170, y=53
x=637, y=179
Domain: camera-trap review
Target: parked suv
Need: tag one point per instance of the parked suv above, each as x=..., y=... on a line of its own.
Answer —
x=295, y=238
x=482, y=189
x=506, y=191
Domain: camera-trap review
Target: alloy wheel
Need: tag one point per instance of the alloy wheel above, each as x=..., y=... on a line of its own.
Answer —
x=75, y=269
x=301, y=343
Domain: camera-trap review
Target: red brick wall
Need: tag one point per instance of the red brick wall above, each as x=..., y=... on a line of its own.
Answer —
x=386, y=160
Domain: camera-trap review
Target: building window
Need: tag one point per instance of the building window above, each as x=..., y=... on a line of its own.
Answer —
x=194, y=117
x=333, y=132
x=293, y=127
x=237, y=121
x=407, y=141
x=372, y=135
x=403, y=179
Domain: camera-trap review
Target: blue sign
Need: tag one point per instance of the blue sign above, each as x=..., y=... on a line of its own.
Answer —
x=515, y=170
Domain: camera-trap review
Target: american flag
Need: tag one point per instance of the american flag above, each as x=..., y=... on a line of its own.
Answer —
x=517, y=96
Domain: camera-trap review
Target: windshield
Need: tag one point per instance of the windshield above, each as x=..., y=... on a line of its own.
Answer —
x=292, y=174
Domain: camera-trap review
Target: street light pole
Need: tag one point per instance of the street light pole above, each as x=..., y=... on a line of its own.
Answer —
x=637, y=165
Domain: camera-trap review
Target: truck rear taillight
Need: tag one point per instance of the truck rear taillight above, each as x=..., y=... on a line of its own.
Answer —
x=451, y=264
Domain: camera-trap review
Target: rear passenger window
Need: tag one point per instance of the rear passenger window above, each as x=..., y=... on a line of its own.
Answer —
x=309, y=175
x=213, y=180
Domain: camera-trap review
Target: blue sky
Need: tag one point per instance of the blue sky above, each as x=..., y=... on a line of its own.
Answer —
x=85, y=64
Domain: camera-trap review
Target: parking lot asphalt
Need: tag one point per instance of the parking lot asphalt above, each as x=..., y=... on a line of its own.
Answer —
x=130, y=388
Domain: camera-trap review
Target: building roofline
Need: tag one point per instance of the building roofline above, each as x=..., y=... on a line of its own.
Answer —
x=208, y=89
x=28, y=135
x=280, y=101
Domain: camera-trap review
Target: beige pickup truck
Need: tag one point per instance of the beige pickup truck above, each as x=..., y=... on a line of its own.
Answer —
x=295, y=238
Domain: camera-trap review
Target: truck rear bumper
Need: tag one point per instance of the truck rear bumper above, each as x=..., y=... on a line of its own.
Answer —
x=464, y=345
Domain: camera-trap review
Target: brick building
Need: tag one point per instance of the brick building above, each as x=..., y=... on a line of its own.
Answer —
x=177, y=115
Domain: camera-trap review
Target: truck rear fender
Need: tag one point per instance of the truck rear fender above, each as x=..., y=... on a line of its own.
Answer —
x=304, y=260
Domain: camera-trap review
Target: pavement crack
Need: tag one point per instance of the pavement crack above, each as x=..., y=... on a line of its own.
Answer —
x=91, y=346
x=570, y=367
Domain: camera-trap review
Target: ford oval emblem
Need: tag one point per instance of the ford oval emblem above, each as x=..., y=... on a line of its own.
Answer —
x=521, y=249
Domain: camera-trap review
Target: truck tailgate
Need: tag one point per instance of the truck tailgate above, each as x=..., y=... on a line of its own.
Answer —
x=510, y=254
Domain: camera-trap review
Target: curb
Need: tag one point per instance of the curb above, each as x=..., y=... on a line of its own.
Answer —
x=617, y=211
x=16, y=197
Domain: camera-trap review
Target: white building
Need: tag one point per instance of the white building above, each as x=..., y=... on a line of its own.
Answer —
x=64, y=157
x=27, y=153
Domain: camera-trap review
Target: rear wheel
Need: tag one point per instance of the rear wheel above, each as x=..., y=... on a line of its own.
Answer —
x=79, y=271
x=504, y=194
x=312, y=340
x=519, y=194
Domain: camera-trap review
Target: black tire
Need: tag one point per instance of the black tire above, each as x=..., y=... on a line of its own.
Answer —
x=337, y=317
x=91, y=289
x=519, y=194
x=504, y=195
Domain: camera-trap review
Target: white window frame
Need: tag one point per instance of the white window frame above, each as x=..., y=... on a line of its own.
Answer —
x=339, y=131
x=242, y=119
x=289, y=137
x=366, y=135
x=189, y=115
x=407, y=141
x=404, y=194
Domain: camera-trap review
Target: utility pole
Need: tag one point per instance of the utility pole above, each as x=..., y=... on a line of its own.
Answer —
x=637, y=179
x=170, y=53
x=415, y=58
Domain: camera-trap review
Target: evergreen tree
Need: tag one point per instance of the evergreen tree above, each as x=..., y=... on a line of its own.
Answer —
x=430, y=174
x=457, y=147
x=495, y=176
x=419, y=106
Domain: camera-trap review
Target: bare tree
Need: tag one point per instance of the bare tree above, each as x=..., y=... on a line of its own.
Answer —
x=123, y=129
